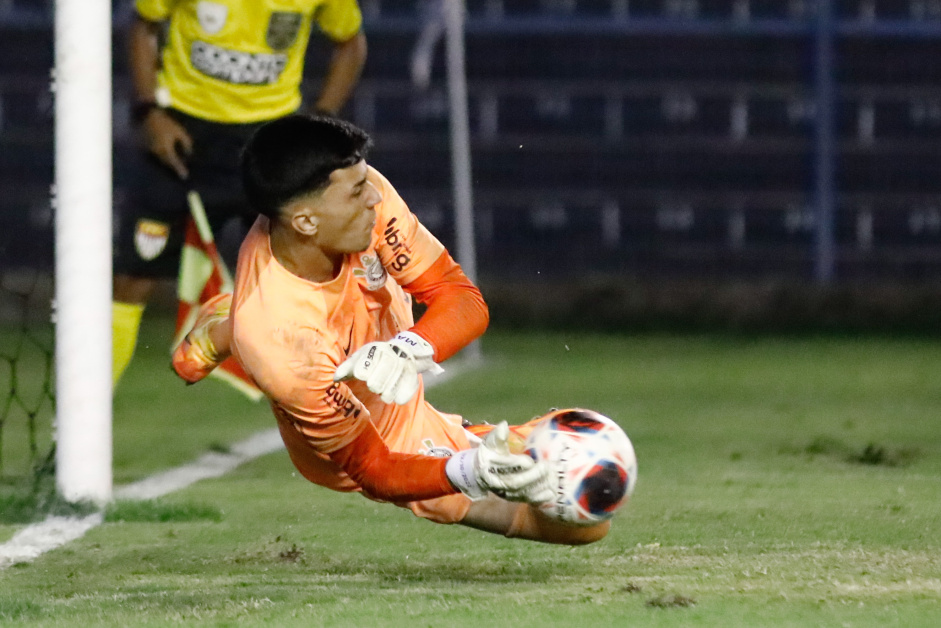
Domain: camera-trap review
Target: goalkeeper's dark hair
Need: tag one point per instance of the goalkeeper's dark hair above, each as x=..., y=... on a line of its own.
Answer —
x=293, y=156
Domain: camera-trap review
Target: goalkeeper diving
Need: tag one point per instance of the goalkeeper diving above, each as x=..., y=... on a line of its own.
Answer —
x=321, y=319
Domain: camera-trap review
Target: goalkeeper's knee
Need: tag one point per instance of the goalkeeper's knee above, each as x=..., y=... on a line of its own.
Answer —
x=197, y=355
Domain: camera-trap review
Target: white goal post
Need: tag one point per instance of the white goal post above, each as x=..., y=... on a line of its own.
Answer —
x=460, y=147
x=82, y=202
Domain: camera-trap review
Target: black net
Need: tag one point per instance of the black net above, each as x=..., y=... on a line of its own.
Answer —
x=27, y=395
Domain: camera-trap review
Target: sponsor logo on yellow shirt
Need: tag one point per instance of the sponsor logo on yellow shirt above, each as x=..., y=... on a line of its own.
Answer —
x=233, y=66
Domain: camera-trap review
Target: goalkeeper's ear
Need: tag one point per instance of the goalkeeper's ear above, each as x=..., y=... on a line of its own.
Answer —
x=303, y=218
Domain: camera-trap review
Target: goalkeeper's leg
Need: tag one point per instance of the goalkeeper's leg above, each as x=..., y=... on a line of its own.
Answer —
x=207, y=344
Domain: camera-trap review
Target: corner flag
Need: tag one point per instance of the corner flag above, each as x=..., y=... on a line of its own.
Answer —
x=203, y=275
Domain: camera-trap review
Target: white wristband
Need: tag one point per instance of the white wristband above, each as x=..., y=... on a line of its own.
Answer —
x=419, y=349
x=462, y=472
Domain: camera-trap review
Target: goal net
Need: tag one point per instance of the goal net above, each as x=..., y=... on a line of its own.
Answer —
x=27, y=397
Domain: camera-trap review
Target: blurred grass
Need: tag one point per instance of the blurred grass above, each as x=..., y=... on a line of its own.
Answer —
x=783, y=482
x=161, y=422
x=158, y=422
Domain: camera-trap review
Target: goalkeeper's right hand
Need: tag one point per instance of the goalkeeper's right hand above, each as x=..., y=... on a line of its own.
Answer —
x=197, y=355
x=491, y=467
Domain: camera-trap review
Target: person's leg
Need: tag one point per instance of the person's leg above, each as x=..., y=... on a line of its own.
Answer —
x=151, y=215
x=149, y=212
x=130, y=296
x=227, y=208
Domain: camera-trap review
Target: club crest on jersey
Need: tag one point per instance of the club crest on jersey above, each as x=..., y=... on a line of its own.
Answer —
x=211, y=16
x=372, y=271
x=283, y=27
x=150, y=238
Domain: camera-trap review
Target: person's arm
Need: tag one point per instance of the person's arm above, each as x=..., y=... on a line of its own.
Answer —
x=455, y=313
x=389, y=476
x=399, y=477
x=346, y=65
x=165, y=137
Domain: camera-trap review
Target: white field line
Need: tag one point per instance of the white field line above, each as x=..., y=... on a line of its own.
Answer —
x=39, y=538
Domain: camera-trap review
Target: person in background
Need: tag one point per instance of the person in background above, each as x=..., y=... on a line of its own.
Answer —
x=206, y=74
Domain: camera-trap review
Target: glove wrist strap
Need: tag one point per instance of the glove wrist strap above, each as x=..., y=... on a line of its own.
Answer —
x=462, y=473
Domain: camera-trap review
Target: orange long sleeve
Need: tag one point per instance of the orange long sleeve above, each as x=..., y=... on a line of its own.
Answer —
x=456, y=313
x=389, y=476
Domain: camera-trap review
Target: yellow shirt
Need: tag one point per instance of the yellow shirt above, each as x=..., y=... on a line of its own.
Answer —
x=241, y=61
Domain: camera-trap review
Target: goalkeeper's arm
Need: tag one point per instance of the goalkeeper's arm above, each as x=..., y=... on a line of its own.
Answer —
x=456, y=314
x=399, y=477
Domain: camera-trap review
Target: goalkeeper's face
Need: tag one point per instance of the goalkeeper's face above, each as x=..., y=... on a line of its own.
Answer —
x=345, y=210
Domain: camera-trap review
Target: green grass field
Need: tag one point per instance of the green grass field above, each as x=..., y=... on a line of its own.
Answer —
x=783, y=482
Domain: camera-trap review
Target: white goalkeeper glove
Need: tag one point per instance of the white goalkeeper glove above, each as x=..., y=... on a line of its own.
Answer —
x=491, y=467
x=390, y=369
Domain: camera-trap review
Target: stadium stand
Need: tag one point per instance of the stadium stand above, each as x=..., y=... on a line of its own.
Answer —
x=671, y=136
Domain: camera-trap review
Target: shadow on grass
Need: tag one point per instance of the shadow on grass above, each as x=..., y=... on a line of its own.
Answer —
x=317, y=560
x=21, y=503
x=872, y=454
x=25, y=501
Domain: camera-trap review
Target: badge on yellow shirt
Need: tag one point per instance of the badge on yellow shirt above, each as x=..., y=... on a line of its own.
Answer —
x=211, y=16
x=283, y=27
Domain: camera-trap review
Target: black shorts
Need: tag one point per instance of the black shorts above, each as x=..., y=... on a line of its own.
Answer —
x=150, y=206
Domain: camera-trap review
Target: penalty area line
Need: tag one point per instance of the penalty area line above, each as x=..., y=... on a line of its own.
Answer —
x=38, y=538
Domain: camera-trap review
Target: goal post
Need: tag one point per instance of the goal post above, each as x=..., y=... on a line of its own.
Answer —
x=82, y=202
x=466, y=250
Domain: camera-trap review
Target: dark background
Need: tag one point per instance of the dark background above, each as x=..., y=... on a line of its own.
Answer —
x=633, y=162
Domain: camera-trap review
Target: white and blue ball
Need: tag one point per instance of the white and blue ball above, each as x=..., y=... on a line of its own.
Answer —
x=592, y=465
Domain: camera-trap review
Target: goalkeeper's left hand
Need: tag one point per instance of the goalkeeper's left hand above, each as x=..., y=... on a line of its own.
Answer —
x=491, y=467
x=390, y=369
x=197, y=355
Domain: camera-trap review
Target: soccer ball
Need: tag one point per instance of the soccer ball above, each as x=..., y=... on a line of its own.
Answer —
x=591, y=461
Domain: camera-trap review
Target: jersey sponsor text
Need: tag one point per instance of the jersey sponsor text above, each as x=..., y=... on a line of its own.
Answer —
x=393, y=238
x=233, y=66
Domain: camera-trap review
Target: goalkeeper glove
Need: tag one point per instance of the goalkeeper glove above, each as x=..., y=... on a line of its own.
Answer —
x=491, y=467
x=390, y=369
x=196, y=356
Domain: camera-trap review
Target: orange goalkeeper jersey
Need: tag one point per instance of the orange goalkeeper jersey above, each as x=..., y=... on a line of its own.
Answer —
x=290, y=334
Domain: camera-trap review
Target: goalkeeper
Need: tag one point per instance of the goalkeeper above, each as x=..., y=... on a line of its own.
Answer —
x=206, y=74
x=321, y=318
